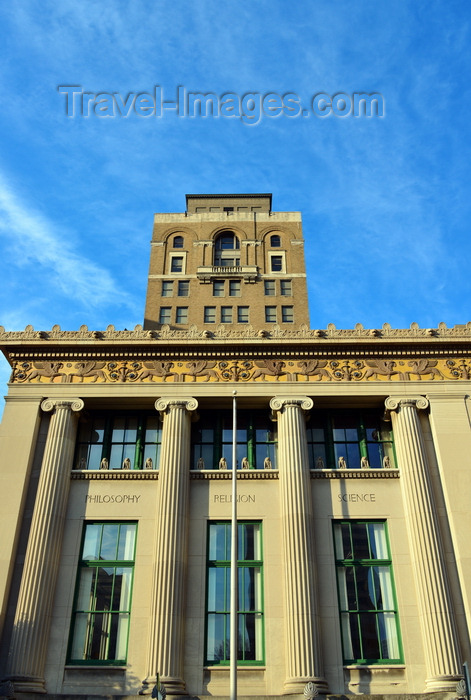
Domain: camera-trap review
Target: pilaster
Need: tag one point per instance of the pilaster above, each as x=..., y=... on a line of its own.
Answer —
x=30, y=634
x=436, y=612
x=303, y=657
x=165, y=648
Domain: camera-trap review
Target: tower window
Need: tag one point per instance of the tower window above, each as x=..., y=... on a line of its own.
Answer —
x=225, y=248
x=287, y=315
x=167, y=289
x=276, y=263
x=165, y=314
x=226, y=314
x=270, y=314
x=218, y=288
x=286, y=288
x=183, y=288
x=176, y=264
x=243, y=314
x=270, y=288
x=181, y=314
x=234, y=288
x=178, y=242
x=275, y=241
x=210, y=314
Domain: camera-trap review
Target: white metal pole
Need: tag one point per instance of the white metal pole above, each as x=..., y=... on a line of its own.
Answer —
x=234, y=551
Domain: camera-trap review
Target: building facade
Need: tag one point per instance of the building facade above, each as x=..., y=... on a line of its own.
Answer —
x=353, y=462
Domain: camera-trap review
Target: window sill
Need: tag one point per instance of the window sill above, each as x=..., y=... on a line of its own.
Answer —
x=377, y=666
x=98, y=668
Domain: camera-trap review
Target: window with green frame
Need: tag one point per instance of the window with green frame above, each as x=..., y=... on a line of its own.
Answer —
x=349, y=439
x=250, y=593
x=102, y=605
x=110, y=439
x=367, y=602
x=212, y=439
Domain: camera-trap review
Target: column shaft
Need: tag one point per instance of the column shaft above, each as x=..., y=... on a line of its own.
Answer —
x=303, y=658
x=436, y=611
x=30, y=634
x=165, y=653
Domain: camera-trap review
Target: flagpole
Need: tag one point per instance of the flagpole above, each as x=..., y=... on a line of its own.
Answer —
x=234, y=551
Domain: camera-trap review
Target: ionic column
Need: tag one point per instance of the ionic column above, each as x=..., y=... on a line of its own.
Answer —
x=30, y=634
x=165, y=648
x=303, y=657
x=437, y=621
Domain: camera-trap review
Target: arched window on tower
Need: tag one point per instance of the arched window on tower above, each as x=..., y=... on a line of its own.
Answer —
x=178, y=242
x=227, y=250
x=275, y=241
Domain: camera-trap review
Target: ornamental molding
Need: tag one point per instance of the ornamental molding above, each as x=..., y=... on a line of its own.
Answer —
x=355, y=474
x=68, y=368
x=394, y=403
x=215, y=474
x=114, y=475
x=462, y=331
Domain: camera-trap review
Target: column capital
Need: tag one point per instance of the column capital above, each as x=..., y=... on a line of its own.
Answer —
x=166, y=404
x=279, y=402
x=394, y=403
x=74, y=404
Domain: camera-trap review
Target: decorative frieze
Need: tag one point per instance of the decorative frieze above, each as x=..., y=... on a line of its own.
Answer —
x=281, y=369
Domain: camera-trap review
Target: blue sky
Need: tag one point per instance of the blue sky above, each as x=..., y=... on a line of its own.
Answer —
x=385, y=201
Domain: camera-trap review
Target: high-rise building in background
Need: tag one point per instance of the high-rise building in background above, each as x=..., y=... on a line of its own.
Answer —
x=352, y=485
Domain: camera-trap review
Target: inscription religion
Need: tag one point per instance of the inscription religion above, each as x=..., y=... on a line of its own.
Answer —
x=241, y=498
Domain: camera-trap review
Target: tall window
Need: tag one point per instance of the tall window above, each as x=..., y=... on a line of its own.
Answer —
x=212, y=439
x=349, y=440
x=107, y=441
x=368, y=610
x=250, y=579
x=165, y=314
x=276, y=262
x=102, y=606
x=227, y=250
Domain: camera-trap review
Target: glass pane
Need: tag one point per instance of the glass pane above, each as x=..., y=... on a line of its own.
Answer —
x=94, y=457
x=351, y=636
x=118, y=430
x=122, y=589
x=247, y=637
x=150, y=452
x=121, y=631
x=217, y=541
x=369, y=636
x=320, y=458
x=81, y=632
x=388, y=636
x=104, y=588
x=217, y=645
x=360, y=539
x=353, y=456
x=91, y=544
x=153, y=430
x=85, y=596
x=385, y=587
x=98, y=648
x=127, y=538
x=375, y=455
x=131, y=430
x=218, y=580
x=116, y=457
x=351, y=588
x=109, y=541
x=378, y=543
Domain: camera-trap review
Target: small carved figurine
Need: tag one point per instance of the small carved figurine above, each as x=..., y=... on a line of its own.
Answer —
x=245, y=463
x=82, y=463
x=364, y=464
x=127, y=463
x=200, y=463
x=149, y=463
x=222, y=463
x=104, y=464
x=386, y=462
x=267, y=463
x=320, y=463
x=342, y=463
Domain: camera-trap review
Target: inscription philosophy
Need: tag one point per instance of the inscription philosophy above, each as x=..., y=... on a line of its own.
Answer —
x=107, y=498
